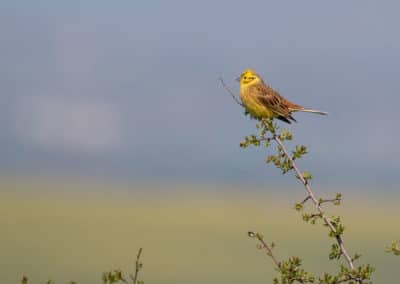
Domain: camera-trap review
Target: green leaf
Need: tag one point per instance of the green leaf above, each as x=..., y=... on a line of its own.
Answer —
x=298, y=206
x=307, y=175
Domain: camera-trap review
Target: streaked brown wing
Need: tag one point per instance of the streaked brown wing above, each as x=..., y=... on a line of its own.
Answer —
x=271, y=100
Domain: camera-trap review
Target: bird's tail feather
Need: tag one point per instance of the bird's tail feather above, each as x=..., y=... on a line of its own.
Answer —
x=313, y=111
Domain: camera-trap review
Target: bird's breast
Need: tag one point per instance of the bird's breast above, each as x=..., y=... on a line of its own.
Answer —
x=253, y=105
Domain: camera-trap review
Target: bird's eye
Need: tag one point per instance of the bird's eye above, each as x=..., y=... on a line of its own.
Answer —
x=245, y=77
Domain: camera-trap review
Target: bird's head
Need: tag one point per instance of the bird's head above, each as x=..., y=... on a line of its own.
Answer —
x=247, y=77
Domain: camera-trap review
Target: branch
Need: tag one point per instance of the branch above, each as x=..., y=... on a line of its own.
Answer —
x=138, y=266
x=230, y=92
x=289, y=270
x=316, y=203
x=260, y=238
x=286, y=162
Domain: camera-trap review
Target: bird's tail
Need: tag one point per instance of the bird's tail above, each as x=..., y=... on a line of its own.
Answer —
x=312, y=111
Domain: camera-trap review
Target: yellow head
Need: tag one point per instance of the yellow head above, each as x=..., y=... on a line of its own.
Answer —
x=248, y=77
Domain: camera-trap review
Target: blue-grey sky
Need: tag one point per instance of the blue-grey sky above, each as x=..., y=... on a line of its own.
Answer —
x=130, y=88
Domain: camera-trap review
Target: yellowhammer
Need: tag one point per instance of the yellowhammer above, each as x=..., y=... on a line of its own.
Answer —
x=261, y=101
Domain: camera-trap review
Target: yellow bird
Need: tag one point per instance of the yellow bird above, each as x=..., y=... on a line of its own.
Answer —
x=261, y=101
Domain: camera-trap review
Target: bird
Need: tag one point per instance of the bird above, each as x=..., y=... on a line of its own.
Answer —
x=262, y=101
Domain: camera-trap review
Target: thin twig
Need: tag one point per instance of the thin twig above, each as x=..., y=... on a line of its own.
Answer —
x=266, y=139
x=267, y=247
x=230, y=92
x=315, y=215
x=270, y=253
x=328, y=200
x=138, y=266
x=317, y=204
x=306, y=199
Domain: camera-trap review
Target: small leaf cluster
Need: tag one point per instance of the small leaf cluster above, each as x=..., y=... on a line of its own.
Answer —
x=281, y=162
x=335, y=252
x=250, y=140
x=335, y=201
x=394, y=248
x=359, y=275
x=299, y=151
x=264, y=127
x=290, y=271
x=116, y=276
x=311, y=218
x=256, y=140
x=112, y=277
x=261, y=238
x=269, y=126
x=285, y=135
x=337, y=224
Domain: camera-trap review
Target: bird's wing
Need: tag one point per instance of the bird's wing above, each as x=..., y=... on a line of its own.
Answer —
x=271, y=100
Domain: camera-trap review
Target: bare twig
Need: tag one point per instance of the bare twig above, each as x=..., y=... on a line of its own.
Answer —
x=266, y=139
x=316, y=204
x=306, y=199
x=230, y=92
x=260, y=238
x=138, y=266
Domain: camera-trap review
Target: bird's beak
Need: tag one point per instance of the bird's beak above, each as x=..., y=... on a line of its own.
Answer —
x=238, y=79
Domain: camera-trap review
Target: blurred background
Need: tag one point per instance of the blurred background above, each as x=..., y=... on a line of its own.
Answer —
x=116, y=134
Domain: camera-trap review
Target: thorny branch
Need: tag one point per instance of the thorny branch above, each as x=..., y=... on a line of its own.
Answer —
x=287, y=162
x=316, y=203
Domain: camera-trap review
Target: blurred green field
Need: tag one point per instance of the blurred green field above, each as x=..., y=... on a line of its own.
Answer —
x=189, y=234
